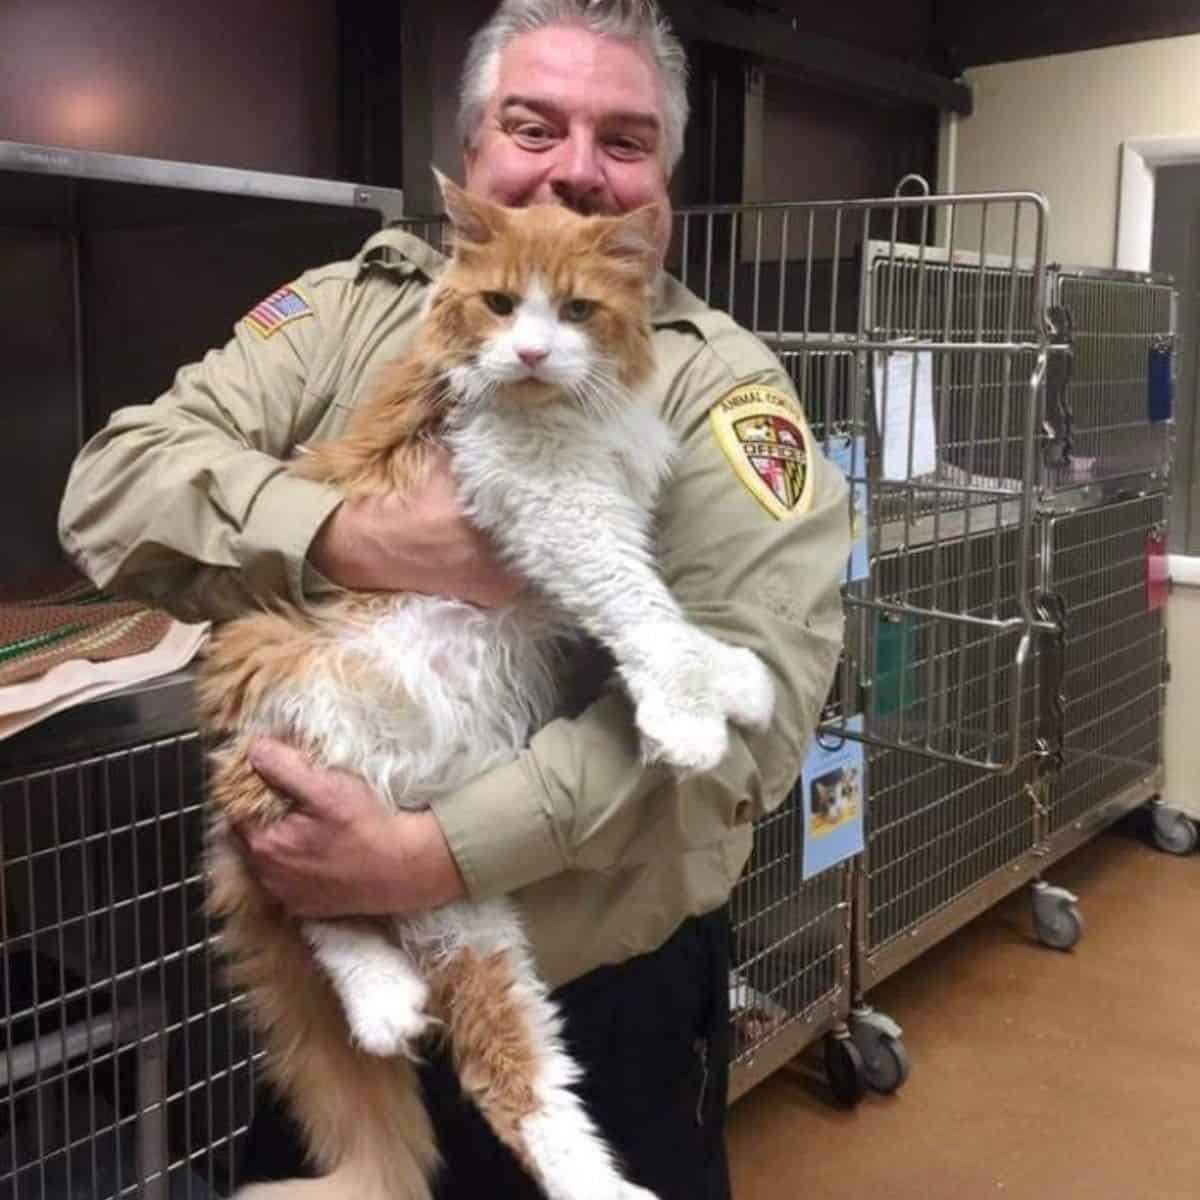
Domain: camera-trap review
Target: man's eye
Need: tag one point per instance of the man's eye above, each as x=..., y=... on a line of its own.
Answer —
x=626, y=148
x=500, y=303
x=577, y=310
x=537, y=135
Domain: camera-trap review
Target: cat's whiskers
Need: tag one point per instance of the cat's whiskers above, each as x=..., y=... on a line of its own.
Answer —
x=469, y=388
x=598, y=391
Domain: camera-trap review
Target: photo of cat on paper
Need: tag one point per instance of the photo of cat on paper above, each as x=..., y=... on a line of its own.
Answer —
x=834, y=801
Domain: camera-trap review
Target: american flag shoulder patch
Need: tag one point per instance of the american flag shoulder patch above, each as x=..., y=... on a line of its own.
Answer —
x=280, y=308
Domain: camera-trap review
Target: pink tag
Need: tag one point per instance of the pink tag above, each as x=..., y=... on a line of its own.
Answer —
x=1157, y=577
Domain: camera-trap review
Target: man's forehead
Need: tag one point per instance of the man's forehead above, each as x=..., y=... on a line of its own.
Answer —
x=569, y=67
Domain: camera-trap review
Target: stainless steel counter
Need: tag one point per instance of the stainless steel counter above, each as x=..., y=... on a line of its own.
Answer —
x=144, y=713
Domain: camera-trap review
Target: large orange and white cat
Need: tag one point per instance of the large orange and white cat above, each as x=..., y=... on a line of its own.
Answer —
x=525, y=367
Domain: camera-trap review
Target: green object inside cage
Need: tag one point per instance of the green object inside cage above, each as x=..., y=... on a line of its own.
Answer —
x=895, y=671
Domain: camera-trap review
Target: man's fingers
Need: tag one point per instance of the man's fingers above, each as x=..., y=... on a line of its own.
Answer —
x=285, y=768
x=239, y=839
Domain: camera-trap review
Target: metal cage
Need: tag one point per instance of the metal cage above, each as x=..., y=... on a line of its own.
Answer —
x=792, y=941
x=944, y=839
x=1114, y=664
x=937, y=355
x=1103, y=440
x=125, y=1071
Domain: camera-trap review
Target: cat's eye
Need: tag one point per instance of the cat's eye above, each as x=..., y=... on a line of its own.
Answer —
x=500, y=303
x=577, y=310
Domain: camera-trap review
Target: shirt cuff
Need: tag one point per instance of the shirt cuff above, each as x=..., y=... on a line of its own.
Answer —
x=500, y=830
x=315, y=585
x=286, y=516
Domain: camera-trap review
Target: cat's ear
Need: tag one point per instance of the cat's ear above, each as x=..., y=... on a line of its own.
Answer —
x=634, y=237
x=474, y=220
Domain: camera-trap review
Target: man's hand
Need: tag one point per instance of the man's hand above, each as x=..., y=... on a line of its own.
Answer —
x=339, y=853
x=418, y=542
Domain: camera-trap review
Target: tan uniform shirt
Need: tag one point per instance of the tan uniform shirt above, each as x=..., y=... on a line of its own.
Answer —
x=186, y=502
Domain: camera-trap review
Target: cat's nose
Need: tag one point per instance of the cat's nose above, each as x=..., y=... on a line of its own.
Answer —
x=532, y=357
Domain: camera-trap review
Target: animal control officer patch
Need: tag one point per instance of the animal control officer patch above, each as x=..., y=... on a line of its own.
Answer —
x=769, y=445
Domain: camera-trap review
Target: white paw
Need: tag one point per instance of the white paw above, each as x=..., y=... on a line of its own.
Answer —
x=746, y=688
x=690, y=740
x=385, y=1011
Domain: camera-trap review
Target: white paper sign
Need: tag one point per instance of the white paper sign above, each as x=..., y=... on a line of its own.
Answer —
x=904, y=412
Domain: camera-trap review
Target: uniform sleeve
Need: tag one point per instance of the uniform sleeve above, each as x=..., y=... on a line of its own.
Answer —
x=186, y=502
x=579, y=797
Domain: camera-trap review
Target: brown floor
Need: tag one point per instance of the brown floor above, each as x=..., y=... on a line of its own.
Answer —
x=1037, y=1075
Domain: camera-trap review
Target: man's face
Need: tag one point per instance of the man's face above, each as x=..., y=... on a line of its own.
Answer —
x=575, y=119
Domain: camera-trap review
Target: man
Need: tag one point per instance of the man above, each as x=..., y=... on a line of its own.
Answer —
x=621, y=872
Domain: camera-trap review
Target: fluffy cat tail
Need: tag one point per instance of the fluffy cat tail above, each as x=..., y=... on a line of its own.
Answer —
x=363, y=1116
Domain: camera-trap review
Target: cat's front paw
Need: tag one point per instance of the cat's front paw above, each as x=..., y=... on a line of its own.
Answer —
x=745, y=686
x=690, y=684
x=386, y=1011
x=691, y=739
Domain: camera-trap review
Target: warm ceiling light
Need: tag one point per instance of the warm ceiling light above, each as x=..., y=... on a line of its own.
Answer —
x=87, y=114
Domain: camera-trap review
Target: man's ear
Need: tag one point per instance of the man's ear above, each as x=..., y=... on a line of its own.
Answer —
x=474, y=220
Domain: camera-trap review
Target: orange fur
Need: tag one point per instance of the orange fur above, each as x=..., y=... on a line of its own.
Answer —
x=489, y=1039
x=362, y=1115
x=363, y=1118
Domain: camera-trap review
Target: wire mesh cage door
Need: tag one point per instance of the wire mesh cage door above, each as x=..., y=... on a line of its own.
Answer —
x=124, y=1071
x=791, y=976
x=1110, y=419
x=1098, y=563
x=942, y=836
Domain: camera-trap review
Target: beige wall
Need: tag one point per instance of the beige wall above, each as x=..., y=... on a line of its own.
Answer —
x=1055, y=125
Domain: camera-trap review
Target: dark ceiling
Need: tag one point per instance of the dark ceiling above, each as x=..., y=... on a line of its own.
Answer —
x=948, y=36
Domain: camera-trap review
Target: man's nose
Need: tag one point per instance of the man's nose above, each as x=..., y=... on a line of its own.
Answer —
x=576, y=174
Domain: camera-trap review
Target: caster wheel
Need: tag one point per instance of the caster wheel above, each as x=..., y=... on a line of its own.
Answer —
x=886, y=1064
x=1063, y=931
x=1172, y=831
x=1057, y=920
x=887, y=1070
x=844, y=1067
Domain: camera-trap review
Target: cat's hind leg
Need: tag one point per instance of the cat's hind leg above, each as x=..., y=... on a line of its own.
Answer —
x=506, y=1044
x=381, y=993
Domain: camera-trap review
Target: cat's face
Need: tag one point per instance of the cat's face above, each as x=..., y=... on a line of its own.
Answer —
x=832, y=801
x=538, y=303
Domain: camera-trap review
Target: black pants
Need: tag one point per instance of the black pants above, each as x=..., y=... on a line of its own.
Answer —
x=653, y=1038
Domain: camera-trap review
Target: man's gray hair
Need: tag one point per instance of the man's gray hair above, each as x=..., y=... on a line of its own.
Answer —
x=636, y=21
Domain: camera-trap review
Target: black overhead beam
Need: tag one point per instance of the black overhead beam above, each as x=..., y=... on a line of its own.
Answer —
x=773, y=37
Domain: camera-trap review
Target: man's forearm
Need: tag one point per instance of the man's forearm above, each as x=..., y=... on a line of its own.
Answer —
x=417, y=542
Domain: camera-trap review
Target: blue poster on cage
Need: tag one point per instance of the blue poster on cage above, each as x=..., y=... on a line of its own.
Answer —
x=832, y=792
x=849, y=455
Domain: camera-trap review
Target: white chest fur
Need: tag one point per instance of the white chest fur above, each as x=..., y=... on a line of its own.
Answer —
x=428, y=694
